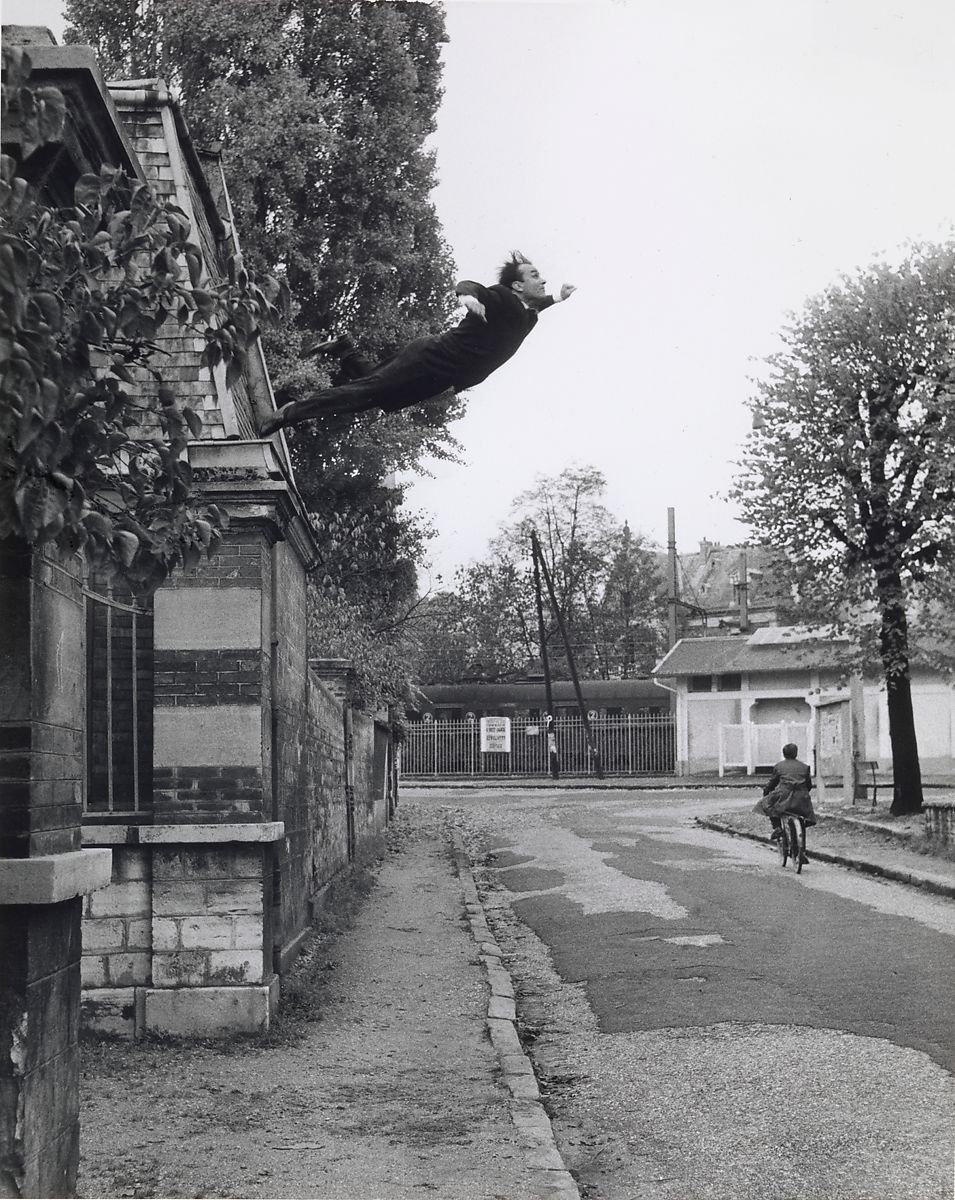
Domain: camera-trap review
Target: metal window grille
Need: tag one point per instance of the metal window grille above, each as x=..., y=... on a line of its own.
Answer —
x=632, y=744
x=119, y=726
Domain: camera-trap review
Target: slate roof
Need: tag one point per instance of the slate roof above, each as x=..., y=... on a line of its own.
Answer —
x=779, y=648
x=709, y=577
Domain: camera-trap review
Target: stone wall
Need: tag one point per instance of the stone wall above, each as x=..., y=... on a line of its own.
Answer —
x=117, y=941
x=260, y=799
x=44, y=873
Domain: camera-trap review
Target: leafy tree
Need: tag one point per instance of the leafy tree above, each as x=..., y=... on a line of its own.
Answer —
x=92, y=442
x=851, y=467
x=630, y=621
x=605, y=582
x=322, y=110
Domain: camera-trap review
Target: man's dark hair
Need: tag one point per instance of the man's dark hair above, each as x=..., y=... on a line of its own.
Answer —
x=790, y=750
x=511, y=271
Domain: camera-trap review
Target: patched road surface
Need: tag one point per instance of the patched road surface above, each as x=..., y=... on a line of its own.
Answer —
x=706, y=1024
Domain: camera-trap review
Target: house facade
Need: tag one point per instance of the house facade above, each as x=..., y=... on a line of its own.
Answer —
x=739, y=698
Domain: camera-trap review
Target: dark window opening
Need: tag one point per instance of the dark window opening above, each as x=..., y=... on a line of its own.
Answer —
x=119, y=672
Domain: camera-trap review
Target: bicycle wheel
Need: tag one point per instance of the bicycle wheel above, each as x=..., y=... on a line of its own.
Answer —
x=782, y=845
x=797, y=847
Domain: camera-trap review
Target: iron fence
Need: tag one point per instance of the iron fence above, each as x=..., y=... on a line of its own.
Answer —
x=635, y=744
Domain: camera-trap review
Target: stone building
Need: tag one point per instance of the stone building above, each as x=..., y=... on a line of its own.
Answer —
x=180, y=783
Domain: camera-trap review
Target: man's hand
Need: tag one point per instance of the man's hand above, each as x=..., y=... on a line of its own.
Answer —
x=566, y=290
x=473, y=305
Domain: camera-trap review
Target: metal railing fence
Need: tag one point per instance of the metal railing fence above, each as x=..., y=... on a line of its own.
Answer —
x=634, y=744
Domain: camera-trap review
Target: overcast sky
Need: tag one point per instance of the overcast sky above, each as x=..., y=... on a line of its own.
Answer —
x=698, y=168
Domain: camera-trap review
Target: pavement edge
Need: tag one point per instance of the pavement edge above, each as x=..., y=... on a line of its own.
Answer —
x=527, y=1111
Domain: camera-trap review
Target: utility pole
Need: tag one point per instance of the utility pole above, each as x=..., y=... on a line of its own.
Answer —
x=550, y=727
x=549, y=584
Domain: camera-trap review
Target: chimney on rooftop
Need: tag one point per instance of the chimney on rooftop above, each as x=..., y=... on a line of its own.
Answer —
x=743, y=594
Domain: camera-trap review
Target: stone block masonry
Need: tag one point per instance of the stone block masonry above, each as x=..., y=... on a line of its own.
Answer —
x=211, y=929
x=117, y=925
x=186, y=915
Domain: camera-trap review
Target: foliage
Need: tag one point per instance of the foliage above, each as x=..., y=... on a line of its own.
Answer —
x=851, y=470
x=604, y=578
x=322, y=110
x=631, y=618
x=92, y=440
x=378, y=654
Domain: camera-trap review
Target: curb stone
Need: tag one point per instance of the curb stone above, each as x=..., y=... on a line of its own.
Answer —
x=912, y=878
x=527, y=1112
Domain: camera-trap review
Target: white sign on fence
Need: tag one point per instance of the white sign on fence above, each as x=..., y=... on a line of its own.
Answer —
x=495, y=735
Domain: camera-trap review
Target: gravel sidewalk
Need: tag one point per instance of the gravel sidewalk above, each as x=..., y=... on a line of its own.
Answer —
x=387, y=1085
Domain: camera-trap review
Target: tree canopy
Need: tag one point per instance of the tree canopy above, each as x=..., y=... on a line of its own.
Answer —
x=605, y=580
x=322, y=110
x=851, y=467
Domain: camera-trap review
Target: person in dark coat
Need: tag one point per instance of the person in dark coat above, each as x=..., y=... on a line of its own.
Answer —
x=787, y=791
x=498, y=320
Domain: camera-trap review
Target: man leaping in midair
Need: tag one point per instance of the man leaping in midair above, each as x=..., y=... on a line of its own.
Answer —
x=498, y=320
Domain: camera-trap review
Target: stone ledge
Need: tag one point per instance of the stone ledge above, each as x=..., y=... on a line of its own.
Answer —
x=110, y=835
x=210, y=1011
x=53, y=878
x=179, y=835
x=238, y=831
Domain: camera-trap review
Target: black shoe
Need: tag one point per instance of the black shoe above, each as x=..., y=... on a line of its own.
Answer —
x=271, y=424
x=775, y=835
x=325, y=346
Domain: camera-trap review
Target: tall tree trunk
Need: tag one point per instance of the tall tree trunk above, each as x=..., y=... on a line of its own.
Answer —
x=894, y=641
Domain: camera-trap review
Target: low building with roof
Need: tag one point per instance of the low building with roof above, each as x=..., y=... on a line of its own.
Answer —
x=740, y=697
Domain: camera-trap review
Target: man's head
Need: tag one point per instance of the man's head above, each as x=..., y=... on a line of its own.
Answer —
x=790, y=750
x=523, y=278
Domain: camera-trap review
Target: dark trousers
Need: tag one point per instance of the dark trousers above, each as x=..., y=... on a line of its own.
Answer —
x=398, y=382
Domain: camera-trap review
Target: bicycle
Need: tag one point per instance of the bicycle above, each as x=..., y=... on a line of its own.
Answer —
x=791, y=844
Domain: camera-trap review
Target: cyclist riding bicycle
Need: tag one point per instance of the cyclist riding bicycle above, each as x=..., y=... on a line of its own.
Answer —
x=787, y=791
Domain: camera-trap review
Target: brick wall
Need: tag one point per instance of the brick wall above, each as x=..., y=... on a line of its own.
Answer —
x=327, y=849
x=211, y=687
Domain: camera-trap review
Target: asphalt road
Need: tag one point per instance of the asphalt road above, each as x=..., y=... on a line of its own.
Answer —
x=708, y=1025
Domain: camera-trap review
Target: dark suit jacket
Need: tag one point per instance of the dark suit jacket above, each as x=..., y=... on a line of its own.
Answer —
x=791, y=781
x=467, y=354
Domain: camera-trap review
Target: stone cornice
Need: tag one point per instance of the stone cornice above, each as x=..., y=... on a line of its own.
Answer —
x=249, y=480
x=53, y=878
